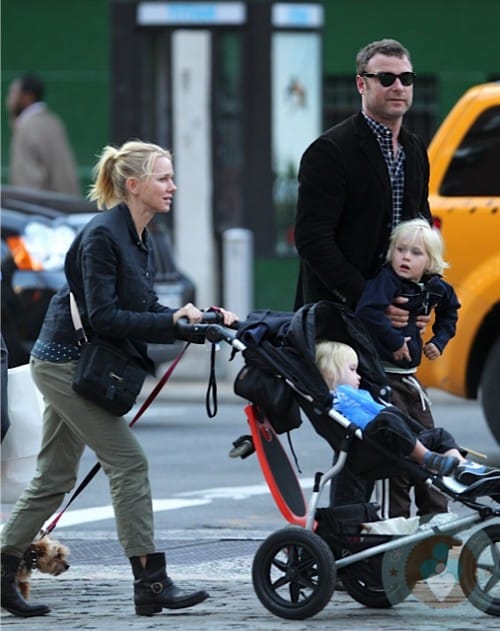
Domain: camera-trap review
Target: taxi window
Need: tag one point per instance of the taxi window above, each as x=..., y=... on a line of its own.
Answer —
x=474, y=169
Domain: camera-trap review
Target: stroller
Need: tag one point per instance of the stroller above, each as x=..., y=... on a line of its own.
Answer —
x=294, y=570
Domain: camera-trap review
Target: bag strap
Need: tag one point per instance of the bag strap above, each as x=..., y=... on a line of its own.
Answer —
x=91, y=474
x=81, y=336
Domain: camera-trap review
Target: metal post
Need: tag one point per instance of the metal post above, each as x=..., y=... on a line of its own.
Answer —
x=237, y=271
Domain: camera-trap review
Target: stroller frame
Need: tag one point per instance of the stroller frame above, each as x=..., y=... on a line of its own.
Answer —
x=294, y=570
x=309, y=568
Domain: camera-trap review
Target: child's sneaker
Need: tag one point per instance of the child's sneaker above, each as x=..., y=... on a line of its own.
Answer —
x=439, y=464
x=469, y=472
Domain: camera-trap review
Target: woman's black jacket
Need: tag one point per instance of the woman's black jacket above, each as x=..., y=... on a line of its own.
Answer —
x=110, y=271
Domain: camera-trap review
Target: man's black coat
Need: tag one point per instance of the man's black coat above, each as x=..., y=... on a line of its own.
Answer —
x=344, y=209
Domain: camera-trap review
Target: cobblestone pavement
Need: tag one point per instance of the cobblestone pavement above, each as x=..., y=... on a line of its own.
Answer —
x=96, y=594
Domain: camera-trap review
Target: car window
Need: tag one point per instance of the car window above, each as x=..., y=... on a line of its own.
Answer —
x=474, y=167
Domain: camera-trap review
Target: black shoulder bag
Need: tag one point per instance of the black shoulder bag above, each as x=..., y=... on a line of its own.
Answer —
x=105, y=374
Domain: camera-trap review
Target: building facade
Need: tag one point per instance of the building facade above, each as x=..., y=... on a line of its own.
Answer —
x=237, y=90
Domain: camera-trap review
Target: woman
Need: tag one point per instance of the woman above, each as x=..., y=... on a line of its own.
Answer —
x=109, y=269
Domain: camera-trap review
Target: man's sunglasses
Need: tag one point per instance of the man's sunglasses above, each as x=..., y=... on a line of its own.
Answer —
x=387, y=78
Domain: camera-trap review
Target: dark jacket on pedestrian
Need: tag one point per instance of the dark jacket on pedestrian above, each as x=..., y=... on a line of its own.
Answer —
x=344, y=209
x=433, y=293
x=110, y=271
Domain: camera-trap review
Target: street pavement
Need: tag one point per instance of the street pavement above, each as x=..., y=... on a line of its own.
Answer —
x=96, y=593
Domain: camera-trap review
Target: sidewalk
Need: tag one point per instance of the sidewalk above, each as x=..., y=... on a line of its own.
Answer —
x=98, y=596
x=96, y=593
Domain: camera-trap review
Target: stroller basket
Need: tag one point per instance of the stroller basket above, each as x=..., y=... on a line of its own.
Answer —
x=341, y=528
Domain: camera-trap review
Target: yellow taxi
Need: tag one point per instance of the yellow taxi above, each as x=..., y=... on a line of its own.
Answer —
x=464, y=195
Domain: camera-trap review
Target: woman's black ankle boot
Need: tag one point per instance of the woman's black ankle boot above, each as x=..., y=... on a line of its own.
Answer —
x=154, y=590
x=12, y=599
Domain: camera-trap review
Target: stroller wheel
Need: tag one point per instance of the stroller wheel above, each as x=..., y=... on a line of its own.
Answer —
x=294, y=573
x=367, y=593
x=479, y=569
x=364, y=582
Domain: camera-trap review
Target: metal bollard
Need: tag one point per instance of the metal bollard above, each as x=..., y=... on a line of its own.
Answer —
x=237, y=269
x=237, y=278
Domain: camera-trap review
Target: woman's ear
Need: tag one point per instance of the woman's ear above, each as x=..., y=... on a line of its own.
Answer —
x=132, y=184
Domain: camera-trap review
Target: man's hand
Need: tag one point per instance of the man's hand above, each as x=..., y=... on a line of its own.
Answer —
x=422, y=322
x=397, y=316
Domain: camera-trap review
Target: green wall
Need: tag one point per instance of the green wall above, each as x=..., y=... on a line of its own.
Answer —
x=275, y=282
x=66, y=43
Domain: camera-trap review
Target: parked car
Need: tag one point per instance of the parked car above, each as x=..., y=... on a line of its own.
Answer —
x=464, y=196
x=37, y=230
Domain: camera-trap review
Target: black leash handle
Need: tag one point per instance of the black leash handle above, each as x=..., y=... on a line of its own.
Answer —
x=211, y=396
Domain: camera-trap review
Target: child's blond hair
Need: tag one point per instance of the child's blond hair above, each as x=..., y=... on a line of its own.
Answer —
x=331, y=358
x=431, y=239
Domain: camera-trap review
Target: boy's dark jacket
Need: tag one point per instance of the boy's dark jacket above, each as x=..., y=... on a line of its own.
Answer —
x=433, y=293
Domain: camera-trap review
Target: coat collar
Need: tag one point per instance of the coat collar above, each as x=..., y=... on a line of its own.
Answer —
x=124, y=210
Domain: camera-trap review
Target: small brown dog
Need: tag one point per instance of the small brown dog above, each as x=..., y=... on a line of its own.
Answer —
x=46, y=555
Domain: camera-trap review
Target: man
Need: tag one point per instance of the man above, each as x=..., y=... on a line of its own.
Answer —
x=40, y=157
x=356, y=181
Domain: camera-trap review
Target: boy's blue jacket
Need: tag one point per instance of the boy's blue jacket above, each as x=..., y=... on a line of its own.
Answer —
x=358, y=406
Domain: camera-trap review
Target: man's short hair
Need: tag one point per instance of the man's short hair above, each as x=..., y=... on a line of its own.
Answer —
x=31, y=84
x=389, y=47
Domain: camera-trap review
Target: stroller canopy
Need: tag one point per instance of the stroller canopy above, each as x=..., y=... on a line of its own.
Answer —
x=283, y=344
x=331, y=321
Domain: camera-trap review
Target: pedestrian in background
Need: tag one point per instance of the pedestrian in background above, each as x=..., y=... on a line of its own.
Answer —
x=40, y=154
x=109, y=268
x=357, y=181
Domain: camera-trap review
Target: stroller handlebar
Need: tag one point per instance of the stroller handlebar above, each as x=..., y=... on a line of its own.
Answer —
x=211, y=328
